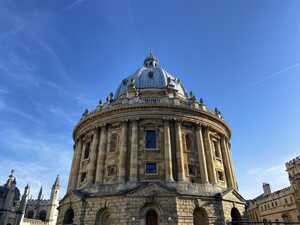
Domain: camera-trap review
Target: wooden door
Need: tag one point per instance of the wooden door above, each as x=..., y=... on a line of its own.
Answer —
x=151, y=218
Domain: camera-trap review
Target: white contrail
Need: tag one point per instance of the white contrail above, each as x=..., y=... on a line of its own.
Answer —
x=277, y=73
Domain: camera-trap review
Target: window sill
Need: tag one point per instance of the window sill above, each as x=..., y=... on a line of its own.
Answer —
x=151, y=149
x=151, y=174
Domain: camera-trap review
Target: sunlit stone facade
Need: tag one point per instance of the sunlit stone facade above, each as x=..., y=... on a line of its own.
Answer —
x=282, y=205
x=151, y=154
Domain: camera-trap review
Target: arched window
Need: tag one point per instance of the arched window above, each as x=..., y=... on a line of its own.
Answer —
x=69, y=217
x=235, y=216
x=42, y=215
x=200, y=216
x=151, y=217
x=103, y=217
x=30, y=214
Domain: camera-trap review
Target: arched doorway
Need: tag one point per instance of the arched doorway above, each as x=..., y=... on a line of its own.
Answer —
x=285, y=218
x=235, y=216
x=30, y=214
x=69, y=217
x=200, y=216
x=151, y=217
x=103, y=217
x=42, y=215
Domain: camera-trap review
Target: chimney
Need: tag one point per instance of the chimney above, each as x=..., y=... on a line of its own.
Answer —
x=267, y=189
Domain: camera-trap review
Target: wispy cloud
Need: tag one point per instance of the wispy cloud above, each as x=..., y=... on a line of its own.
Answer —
x=38, y=162
x=59, y=112
x=74, y=4
x=276, y=175
x=277, y=73
x=4, y=107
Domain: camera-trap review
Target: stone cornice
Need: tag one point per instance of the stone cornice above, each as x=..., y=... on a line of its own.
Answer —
x=149, y=111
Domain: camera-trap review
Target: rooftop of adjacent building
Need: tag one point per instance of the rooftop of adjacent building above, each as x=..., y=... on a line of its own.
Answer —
x=269, y=197
x=293, y=162
x=10, y=184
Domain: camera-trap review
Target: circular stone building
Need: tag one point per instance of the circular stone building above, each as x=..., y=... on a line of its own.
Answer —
x=151, y=154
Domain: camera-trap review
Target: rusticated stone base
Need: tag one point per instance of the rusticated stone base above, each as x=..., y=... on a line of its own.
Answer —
x=131, y=208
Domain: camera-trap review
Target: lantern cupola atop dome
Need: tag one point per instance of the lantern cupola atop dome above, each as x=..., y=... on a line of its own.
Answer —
x=151, y=61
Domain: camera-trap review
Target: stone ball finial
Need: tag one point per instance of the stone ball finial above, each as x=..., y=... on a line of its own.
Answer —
x=201, y=101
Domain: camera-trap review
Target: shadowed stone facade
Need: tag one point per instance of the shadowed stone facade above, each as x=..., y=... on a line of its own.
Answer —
x=17, y=210
x=151, y=154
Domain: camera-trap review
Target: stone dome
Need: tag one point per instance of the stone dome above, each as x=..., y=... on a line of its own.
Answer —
x=151, y=76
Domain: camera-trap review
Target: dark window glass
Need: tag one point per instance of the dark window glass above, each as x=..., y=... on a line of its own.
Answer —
x=217, y=150
x=192, y=170
x=220, y=176
x=113, y=143
x=83, y=176
x=151, y=168
x=150, y=139
x=87, y=151
x=111, y=170
x=188, y=142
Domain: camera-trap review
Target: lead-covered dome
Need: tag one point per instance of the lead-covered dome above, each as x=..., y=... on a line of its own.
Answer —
x=151, y=76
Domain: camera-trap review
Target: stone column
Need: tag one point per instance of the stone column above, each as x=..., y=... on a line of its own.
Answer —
x=209, y=158
x=93, y=157
x=71, y=176
x=231, y=165
x=179, y=152
x=134, y=152
x=101, y=155
x=167, y=151
x=201, y=155
x=123, y=152
x=226, y=163
x=75, y=165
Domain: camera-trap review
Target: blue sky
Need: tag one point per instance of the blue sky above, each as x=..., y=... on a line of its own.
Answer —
x=59, y=57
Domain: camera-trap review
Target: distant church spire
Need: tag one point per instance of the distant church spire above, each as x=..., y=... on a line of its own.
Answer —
x=11, y=181
x=57, y=182
x=40, y=193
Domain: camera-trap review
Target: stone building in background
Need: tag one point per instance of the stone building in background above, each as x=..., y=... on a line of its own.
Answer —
x=151, y=154
x=281, y=205
x=17, y=210
x=293, y=169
